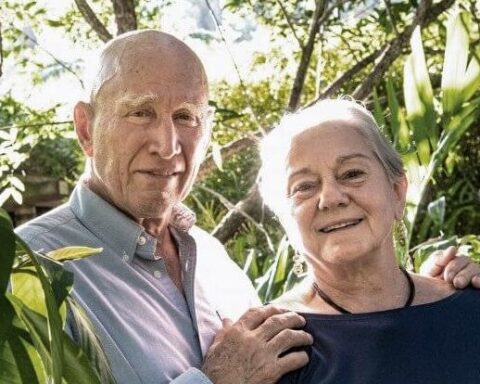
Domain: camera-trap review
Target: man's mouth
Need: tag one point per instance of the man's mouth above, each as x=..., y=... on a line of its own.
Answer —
x=340, y=225
x=160, y=172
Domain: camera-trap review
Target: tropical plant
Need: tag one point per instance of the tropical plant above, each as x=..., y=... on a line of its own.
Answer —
x=34, y=298
x=428, y=130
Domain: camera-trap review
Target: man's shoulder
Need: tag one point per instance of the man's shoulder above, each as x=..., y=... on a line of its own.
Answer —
x=47, y=222
x=49, y=231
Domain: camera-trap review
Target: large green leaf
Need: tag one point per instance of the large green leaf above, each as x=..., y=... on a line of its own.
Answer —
x=19, y=361
x=28, y=288
x=73, y=253
x=419, y=100
x=7, y=249
x=76, y=368
x=454, y=66
x=7, y=255
x=398, y=124
x=472, y=78
x=53, y=363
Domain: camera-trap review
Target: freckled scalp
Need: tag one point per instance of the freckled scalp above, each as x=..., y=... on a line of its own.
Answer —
x=131, y=52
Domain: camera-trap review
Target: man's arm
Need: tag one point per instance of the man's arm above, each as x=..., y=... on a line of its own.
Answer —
x=458, y=270
x=252, y=350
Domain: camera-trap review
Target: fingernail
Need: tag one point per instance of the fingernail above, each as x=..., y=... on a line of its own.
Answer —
x=460, y=282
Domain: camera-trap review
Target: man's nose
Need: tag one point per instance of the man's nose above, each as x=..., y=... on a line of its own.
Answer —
x=332, y=195
x=164, y=139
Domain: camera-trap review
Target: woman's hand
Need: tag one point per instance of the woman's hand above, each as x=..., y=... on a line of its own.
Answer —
x=456, y=269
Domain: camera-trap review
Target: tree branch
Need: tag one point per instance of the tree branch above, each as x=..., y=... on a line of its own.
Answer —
x=231, y=223
x=58, y=61
x=305, y=58
x=235, y=66
x=125, y=15
x=230, y=206
x=93, y=20
x=346, y=76
x=289, y=22
x=424, y=15
x=390, y=16
x=227, y=151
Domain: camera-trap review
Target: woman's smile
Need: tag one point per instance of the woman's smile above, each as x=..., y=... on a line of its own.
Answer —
x=340, y=225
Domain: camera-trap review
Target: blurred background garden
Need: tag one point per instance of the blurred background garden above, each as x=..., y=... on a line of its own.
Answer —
x=415, y=64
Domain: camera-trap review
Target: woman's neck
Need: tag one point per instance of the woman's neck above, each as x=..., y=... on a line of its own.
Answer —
x=362, y=288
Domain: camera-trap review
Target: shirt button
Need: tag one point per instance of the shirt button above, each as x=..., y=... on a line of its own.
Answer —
x=157, y=274
x=125, y=257
x=141, y=240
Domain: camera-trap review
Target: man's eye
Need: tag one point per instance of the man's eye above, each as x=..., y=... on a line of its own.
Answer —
x=141, y=113
x=187, y=119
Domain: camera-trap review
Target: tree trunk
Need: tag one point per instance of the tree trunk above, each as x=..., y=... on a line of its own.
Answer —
x=125, y=15
x=93, y=20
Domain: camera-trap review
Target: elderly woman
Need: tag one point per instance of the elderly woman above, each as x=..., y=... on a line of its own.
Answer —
x=338, y=187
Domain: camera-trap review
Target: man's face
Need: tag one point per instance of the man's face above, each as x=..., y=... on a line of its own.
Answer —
x=149, y=133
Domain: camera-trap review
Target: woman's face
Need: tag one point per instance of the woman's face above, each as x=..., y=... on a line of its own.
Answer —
x=341, y=200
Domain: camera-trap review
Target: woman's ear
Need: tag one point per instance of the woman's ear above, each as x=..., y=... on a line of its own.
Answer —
x=400, y=189
x=83, y=120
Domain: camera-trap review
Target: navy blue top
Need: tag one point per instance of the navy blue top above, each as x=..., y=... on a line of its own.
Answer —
x=431, y=343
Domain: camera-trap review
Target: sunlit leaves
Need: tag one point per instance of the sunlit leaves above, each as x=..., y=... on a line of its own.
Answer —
x=33, y=346
x=435, y=138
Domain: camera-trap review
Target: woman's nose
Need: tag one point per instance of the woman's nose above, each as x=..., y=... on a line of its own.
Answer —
x=332, y=195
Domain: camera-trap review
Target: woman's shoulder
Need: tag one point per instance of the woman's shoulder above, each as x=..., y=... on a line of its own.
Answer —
x=297, y=298
x=429, y=289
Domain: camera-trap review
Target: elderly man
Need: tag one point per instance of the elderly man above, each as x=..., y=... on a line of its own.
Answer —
x=162, y=288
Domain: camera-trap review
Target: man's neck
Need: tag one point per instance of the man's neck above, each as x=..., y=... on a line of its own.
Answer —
x=166, y=248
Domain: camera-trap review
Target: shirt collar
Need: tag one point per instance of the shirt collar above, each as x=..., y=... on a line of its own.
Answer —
x=117, y=230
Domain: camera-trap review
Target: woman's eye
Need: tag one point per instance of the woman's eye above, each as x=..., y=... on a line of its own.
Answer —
x=353, y=174
x=303, y=187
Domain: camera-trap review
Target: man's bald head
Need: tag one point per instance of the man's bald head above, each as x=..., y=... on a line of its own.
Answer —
x=127, y=54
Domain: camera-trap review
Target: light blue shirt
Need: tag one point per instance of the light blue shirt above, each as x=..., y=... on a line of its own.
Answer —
x=151, y=332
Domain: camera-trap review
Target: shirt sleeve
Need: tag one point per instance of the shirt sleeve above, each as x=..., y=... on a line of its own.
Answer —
x=192, y=376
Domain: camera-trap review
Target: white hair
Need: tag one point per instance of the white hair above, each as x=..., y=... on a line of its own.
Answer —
x=276, y=146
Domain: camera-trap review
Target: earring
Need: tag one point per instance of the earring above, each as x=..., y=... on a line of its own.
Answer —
x=298, y=264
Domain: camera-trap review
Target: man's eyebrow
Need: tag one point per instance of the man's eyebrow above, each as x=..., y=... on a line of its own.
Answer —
x=136, y=100
x=133, y=101
x=199, y=108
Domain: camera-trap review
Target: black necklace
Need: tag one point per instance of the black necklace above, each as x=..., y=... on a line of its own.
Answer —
x=329, y=301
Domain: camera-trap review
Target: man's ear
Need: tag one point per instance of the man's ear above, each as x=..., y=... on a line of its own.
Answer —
x=83, y=120
x=400, y=187
x=208, y=125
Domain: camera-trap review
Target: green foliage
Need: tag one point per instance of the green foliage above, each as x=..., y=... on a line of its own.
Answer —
x=21, y=130
x=434, y=131
x=33, y=346
x=467, y=245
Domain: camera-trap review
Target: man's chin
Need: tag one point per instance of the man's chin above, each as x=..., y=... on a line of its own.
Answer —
x=154, y=209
